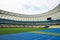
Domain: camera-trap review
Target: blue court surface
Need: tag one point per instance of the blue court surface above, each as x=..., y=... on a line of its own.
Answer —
x=32, y=36
x=55, y=30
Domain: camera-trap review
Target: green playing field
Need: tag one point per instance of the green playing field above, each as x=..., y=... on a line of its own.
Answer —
x=18, y=30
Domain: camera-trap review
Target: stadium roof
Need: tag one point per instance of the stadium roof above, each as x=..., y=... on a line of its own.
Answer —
x=55, y=10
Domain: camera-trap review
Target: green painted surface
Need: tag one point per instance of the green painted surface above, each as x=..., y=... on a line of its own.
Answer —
x=48, y=33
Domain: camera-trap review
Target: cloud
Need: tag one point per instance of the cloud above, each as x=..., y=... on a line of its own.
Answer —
x=31, y=7
x=28, y=6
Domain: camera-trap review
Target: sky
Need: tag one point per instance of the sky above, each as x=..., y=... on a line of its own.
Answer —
x=28, y=7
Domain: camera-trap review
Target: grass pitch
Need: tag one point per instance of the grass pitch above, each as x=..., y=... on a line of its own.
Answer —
x=18, y=30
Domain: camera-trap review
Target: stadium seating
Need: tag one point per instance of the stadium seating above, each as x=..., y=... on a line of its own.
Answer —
x=46, y=20
x=14, y=23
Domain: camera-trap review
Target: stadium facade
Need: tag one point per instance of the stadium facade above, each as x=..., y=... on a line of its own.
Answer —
x=49, y=19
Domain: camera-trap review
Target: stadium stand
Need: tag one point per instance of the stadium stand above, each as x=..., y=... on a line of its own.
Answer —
x=50, y=19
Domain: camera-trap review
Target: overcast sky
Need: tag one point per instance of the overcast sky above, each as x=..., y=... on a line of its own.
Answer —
x=28, y=7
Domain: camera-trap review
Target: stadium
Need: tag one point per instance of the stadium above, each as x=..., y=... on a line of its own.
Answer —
x=50, y=19
x=44, y=25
